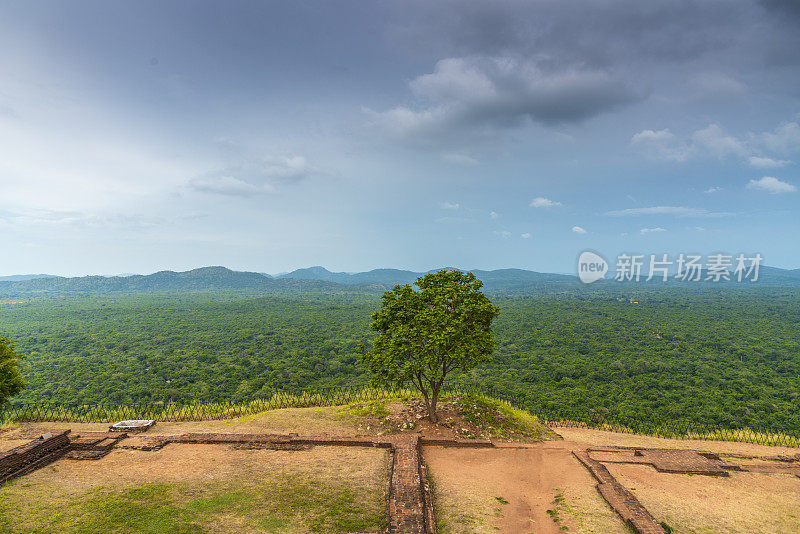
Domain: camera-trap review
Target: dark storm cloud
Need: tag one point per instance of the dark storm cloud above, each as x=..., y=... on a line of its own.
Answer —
x=590, y=32
x=504, y=91
x=499, y=63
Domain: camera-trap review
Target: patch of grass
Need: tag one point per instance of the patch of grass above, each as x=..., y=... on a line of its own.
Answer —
x=501, y=500
x=147, y=509
x=496, y=419
x=373, y=414
x=559, y=505
x=373, y=408
x=296, y=501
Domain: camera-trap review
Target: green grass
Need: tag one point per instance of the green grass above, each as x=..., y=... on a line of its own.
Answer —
x=499, y=420
x=373, y=408
x=281, y=503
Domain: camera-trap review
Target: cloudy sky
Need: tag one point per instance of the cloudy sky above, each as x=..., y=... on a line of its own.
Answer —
x=266, y=136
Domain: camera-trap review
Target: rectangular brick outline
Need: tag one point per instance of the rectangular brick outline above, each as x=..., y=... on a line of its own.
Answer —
x=409, y=506
x=783, y=463
x=628, y=506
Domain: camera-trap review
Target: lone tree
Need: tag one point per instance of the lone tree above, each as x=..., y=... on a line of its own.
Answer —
x=11, y=381
x=424, y=335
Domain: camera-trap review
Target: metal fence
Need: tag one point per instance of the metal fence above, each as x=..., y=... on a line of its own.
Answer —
x=675, y=429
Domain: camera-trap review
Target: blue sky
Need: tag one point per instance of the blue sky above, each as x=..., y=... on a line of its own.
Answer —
x=268, y=136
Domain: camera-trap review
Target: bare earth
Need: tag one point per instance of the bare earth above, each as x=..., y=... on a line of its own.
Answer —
x=42, y=494
x=207, y=463
x=594, y=438
x=469, y=481
x=311, y=421
x=516, y=488
x=743, y=502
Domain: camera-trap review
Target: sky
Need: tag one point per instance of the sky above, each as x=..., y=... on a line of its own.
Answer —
x=268, y=136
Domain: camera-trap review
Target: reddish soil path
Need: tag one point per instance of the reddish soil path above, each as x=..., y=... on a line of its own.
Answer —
x=529, y=478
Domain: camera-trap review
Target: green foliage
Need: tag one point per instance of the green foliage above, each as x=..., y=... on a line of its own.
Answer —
x=11, y=382
x=424, y=335
x=727, y=357
x=724, y=357
x=184, y=347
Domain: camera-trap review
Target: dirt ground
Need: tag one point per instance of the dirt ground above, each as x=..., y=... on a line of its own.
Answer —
x=40, y=496
x=309, y=421
x=511, y=490
x=517, y=487
x=206, y=463
x=741, y=503
x=595, y=438
x=8, y=444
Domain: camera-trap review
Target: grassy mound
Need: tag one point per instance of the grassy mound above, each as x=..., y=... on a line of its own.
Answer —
x=494, y=419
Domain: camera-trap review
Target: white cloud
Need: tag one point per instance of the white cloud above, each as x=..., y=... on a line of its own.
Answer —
x=494, y=215
x=767, y=163
x=651, y=230
x=450, y=205
x=676, y=211
x=578, y=230
x=247, y=175
x=661, y=144
x=541, y=202
x=784, y=140
x=459, y=159
x=771, y=185
x=715, y=141
x=526, y=235
x=228, y=185
x=505, y=234
x=714, y=189
x=287, y=168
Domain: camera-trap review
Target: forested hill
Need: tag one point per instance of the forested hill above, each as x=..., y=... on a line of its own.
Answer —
x=304, y=281
x=203, y=279
x=319, y=280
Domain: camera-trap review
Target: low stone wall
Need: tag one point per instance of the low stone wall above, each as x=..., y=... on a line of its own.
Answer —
x=33, y=455
x=620, y=499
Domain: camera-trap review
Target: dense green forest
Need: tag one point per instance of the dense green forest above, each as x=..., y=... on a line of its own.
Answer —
x=728, y=356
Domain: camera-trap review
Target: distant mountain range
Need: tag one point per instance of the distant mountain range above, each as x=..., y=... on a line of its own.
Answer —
x=319, y=279
x=505, y=278
x=515, y=279
x=21, y=277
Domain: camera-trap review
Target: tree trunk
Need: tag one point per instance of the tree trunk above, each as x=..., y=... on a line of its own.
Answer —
x=432, y=405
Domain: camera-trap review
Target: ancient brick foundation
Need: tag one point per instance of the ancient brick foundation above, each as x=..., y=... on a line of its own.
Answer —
x=410, y=506
x=620, y=499
x=38, y=453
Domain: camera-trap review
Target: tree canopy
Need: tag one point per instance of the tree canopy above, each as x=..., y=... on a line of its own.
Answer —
x=425, y=335
x=11, y=381
x=725, y=356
